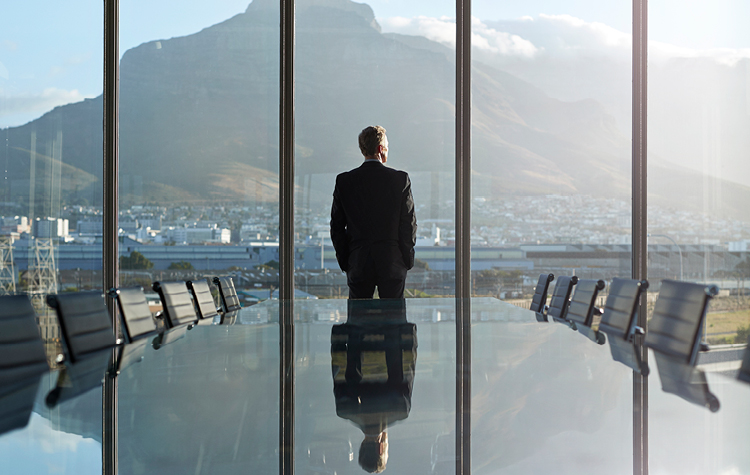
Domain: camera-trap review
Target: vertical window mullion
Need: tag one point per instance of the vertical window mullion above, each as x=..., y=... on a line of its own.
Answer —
x=110, y=250
x=463, y=237
x=640, y=244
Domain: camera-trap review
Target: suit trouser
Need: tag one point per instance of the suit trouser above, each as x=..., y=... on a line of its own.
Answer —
x=363, y=282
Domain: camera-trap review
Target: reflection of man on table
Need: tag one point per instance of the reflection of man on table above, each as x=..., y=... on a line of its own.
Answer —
x=373, y=227
x=373, y=374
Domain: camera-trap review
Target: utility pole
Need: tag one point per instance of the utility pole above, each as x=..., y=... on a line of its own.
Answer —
x=7, y=267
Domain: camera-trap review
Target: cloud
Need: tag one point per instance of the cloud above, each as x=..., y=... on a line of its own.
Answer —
x=443, y=30
x=659, y=51
x=566, y=35
x=492, y=40
x=596, y=32
x=4, y=74
x=32, y=103
x=8, y=45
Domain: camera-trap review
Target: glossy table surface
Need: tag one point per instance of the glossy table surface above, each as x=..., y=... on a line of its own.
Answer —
x=545, y=399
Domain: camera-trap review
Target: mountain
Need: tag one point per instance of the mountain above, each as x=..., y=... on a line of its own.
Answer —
x=199, y=116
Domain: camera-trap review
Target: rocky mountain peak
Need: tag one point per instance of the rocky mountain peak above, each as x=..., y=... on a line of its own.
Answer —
x=361, y=9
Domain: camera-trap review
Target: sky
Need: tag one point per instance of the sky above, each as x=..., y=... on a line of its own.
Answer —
x=57, y=58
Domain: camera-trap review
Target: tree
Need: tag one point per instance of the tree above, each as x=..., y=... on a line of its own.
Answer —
x=743, y=272
x=136, y=261
x=182, y=265
x=273, y=264
x=420, y=264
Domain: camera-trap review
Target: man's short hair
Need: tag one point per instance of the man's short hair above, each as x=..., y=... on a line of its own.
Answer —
x=370, y=458
x=370, y=138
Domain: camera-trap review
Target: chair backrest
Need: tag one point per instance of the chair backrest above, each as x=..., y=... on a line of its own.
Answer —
x=677, y=323
x=204, y=301
x=621, y=309
x=229, y=318
x=84, y=322
x=581, y=309
x=744, y=373
x=540, y=293
x=177, y=305
x=136, y=316
x=228, y=293
x=558, y=305
x=22, y=355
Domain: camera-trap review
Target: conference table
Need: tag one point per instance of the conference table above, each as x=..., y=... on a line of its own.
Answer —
x=544, y=400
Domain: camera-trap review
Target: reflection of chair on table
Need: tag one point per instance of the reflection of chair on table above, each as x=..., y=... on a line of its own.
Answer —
x=22, y=361
x=675, y=333
x=620, y=322
x=539, y=300
x=373, y=358
x=88, y=339
x=582, y=309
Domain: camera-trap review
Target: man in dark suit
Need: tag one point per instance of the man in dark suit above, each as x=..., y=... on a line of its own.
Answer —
x=373, y=226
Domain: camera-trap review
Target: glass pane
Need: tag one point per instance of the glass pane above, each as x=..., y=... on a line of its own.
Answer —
x=699, y=227
x=551, y=186
x=360, y=65
x=199, y=144
x=551, y=127
x=199, y=118
x=51, y=158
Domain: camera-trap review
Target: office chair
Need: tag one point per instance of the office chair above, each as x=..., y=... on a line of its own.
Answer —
x=539, y=300
x=676, y=327
x=85, y=324
x=137, y=320
x=22, y=355
x=582, y=309
x=674, y=334
x=138, y=325
x=558, y=304
x=177, y=306
x=620, y=322
x=229, y=299
x=204, y=301
x=744, y=373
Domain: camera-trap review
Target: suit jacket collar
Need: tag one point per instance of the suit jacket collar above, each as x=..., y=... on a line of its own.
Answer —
x=372, y=164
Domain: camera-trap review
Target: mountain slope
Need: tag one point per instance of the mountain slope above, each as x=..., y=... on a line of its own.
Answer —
x=199, y=115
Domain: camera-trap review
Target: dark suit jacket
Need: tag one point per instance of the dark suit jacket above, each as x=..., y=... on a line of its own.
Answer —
x=373, y=214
